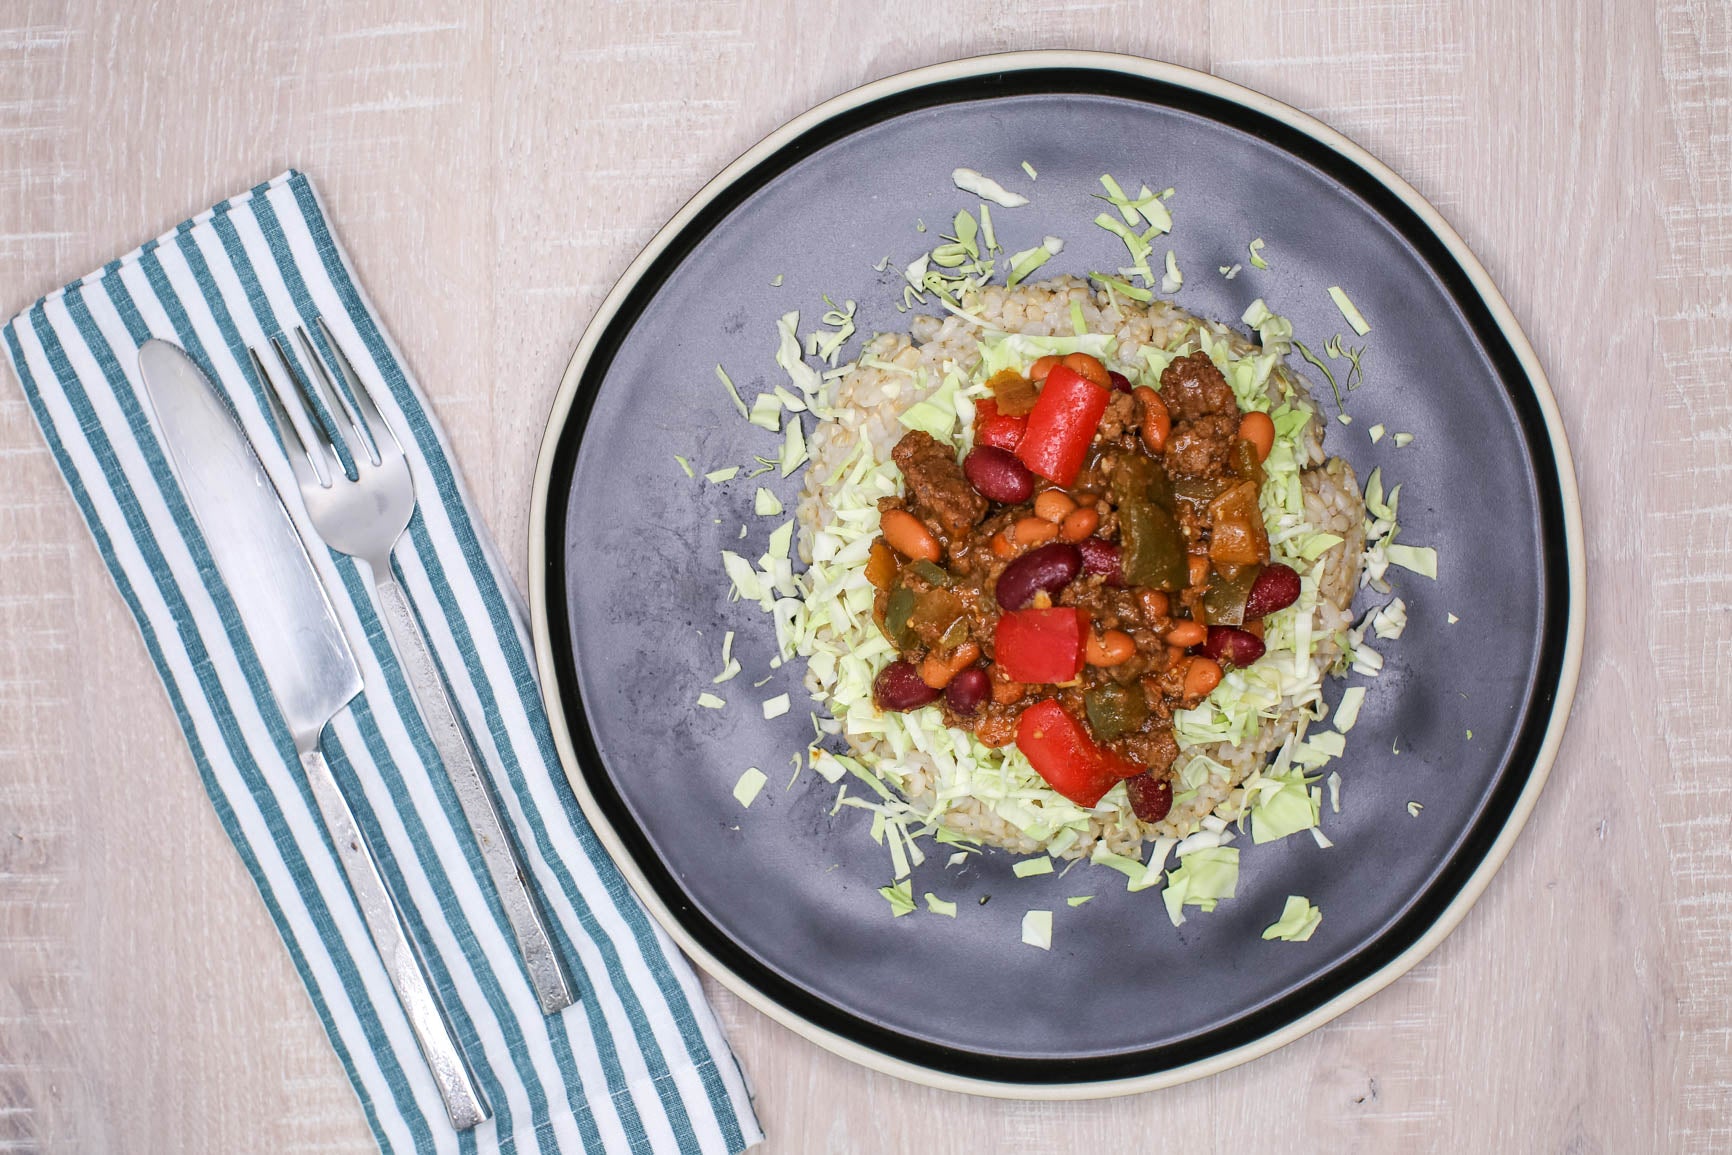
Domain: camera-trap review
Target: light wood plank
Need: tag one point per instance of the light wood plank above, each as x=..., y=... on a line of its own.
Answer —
x=493, y=171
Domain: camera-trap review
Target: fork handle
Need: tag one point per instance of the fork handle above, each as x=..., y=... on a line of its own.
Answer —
x=463, y=1102
x=463, y=768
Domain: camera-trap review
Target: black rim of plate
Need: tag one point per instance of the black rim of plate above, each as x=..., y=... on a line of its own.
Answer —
x=1375, y=955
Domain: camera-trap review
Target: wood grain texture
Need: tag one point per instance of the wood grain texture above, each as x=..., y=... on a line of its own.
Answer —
x=492, y=170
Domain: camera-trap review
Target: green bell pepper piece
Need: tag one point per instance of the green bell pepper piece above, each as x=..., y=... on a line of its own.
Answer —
x=1224, y=600
x=1153, y=544
x=1114, y=710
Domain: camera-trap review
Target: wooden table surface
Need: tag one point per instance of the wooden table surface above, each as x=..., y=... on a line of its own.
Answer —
x=493, y=168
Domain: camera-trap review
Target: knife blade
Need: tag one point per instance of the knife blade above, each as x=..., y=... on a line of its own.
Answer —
x=282, y=603
x=305, y=657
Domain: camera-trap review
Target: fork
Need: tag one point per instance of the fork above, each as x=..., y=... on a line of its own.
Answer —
x=364, y=518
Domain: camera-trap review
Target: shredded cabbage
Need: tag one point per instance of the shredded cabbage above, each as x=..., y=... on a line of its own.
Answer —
x=1026, y=262
x=1298, y=921
x=746, y=789
x=733, y=393
x=1174, y=279
x=793, y=448
x=1138, y=244
x=826, y=343
x=1421, y=560
x=939, y=906
x=1133, y=870
x=1037, y=929
x=825, y=613
x=1347, y=713
x=1145, y=207
x=900, y=897
x=1349, y=310
x=767, y=412
x=1284, y=809
x=804, y=377
x=986, y=188
x=1202, y=879
x=1391, y=620
x=730, y=665
x=1123, y=288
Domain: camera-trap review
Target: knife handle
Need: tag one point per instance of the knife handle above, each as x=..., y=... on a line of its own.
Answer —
x=463, y=768
x=463, y=1102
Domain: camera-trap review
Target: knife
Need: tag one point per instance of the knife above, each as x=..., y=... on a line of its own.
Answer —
x=306, y=659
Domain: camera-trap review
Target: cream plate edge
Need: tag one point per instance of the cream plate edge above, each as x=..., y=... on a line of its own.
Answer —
x=1214, y=86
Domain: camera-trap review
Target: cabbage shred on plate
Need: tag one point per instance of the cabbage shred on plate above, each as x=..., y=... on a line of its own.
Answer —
x=922, y=780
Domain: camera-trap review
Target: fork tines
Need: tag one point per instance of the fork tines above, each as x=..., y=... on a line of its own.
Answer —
x=307, y=410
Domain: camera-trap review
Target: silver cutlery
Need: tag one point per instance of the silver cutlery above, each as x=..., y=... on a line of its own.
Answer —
x=306, y=660
x=364, y=518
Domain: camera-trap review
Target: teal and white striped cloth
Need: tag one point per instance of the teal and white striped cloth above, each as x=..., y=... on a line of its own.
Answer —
x=639, y=1064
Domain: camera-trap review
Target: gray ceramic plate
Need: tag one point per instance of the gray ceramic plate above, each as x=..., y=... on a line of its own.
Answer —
x=780, y=901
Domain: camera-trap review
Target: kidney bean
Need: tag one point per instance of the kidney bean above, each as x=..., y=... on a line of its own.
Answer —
x=1276, y=588
x=1121, y=383
x=968, y=691
x=1050, y=568
x=1101, y=556
x=899, y=687
x=1231, y=644
x=997, y=475
x=1151, y=797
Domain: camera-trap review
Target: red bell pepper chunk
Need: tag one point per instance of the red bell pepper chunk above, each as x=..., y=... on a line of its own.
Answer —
x=1061, y=751
x=997, y=429
x=1041, y=645
x=1062, y=425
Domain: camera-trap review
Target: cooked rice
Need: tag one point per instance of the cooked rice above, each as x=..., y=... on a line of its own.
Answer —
x=868, y=400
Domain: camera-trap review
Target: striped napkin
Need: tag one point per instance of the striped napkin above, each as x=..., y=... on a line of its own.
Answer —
x=639, y=1064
